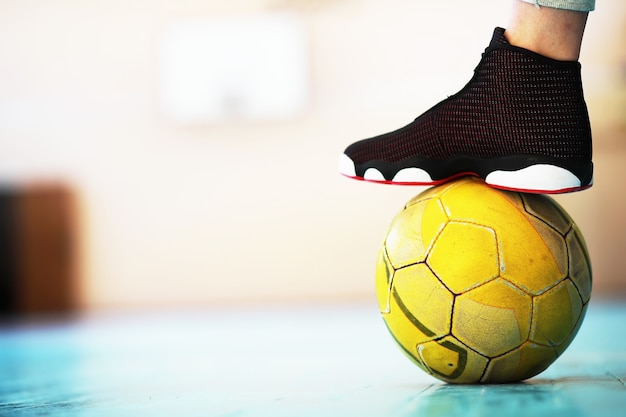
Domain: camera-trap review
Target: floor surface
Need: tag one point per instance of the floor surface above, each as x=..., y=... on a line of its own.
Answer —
x=306, y=361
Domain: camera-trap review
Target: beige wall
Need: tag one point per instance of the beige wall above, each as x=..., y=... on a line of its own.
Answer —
x=251, y=212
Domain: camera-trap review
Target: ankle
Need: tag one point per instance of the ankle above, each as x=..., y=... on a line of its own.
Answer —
x=543, y=44
x=554, y=33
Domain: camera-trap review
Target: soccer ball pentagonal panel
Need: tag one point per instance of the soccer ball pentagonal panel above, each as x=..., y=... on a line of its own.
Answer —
x=554, y=250
x=579, y=263
x=412, y=232
x=493, y=318
x=419, y=293
x=449, y=360
x=521, y=363
x=556, y=313
x=384, y=275
x=548, y=211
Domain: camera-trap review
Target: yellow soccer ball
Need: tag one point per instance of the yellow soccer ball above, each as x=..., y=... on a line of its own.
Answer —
x=479, y=285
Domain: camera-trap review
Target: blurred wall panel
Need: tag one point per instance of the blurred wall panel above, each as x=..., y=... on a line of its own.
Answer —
x=246, y=210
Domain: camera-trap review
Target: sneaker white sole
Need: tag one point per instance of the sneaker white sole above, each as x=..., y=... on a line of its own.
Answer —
x=539, y=178
x=544, y=178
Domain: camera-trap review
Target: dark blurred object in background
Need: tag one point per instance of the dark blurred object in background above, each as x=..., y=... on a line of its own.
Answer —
x=38, y=245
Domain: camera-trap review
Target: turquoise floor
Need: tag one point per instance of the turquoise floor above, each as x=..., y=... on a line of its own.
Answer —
x=306, y=361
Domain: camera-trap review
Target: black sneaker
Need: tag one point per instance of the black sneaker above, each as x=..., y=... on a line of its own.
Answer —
x=521, y=124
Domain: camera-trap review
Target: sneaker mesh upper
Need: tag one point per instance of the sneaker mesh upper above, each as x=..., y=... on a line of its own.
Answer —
x=517, y=102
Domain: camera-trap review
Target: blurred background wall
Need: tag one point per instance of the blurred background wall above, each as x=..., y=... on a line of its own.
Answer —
x=195, y=184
